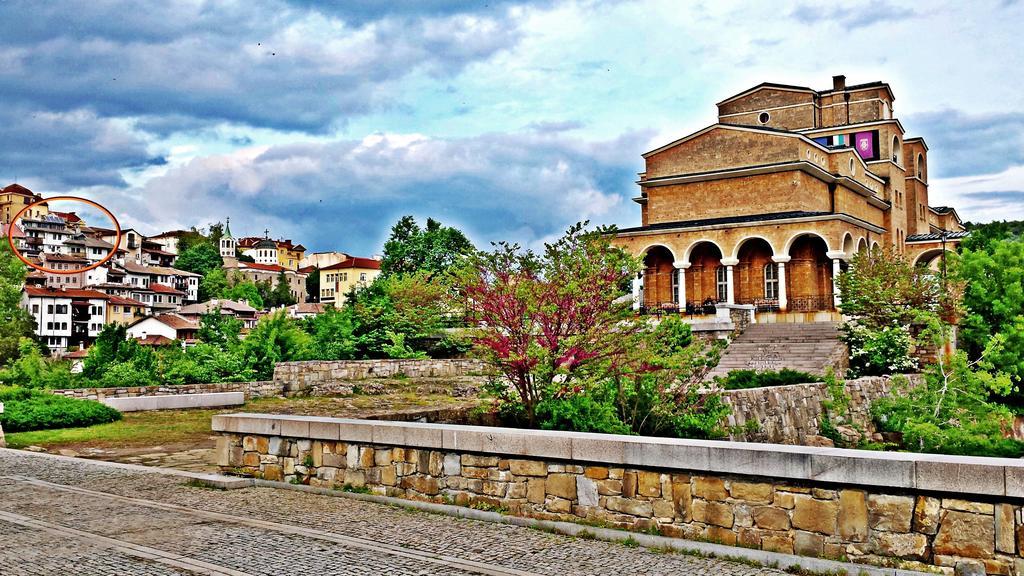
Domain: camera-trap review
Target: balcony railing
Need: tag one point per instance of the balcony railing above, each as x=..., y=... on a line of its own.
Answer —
x=762, y=304
x=811, y=303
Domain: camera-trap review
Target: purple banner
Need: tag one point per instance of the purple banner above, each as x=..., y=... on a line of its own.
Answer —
x=864, y=142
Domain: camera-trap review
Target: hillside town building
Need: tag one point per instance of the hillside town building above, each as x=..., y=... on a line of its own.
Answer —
x=66, y=318
x=764, y=208
x=337, y=280
x=14, y=198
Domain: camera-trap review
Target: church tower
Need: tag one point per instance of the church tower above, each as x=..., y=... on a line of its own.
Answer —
x=228, y=244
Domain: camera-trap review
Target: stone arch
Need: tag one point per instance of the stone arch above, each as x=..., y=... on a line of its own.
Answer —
x=875, y=246
x=862, y=245
x=659, y=276
x=705, y=259
x=688, y=253
x=897, y=150
x=657, y=245
x=929, y=258
x=739, y=245
x=920, y=167
x=787, y=250
x=754, y=268
x=809, y=273
x=848, y=244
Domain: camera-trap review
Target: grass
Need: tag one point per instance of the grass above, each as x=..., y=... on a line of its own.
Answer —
x=136, y=429
x=155, y=428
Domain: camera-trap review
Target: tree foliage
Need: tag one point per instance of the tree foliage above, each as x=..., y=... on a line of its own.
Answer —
x=15, y=322
x=547, y=321
x=435, y=248
x=994, y=299
x=200, y=258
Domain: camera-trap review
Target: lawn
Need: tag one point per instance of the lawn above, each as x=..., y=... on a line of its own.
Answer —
x=184, y=428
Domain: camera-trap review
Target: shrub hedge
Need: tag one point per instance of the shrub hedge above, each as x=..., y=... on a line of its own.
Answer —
x=26, y=409
x=742, y=379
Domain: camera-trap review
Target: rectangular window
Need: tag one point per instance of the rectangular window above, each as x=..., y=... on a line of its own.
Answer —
x=49, y=308
x=771, y=281
x=722, y=283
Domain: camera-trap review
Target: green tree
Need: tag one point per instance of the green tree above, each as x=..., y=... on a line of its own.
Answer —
x=281, y=295
x=313, y=285
x=117, y=360
x=213, y=285
x=276, y=338
x=218, y=329
x=435, y=248
x=190, y=239
x=551, y=323
x=994, y=299
x=200, y=258
x=245, y=290
x=15, y=322
x=32, y=370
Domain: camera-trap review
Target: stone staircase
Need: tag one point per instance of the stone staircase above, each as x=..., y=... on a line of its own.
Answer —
x=808, y=347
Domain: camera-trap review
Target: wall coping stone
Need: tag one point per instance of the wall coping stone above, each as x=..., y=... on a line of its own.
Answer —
x=963, y=475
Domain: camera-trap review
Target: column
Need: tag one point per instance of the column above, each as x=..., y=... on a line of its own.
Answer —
x=681, y=284
x=638, y=291
x=780, y=261
x=836, y=271
x=730, y=284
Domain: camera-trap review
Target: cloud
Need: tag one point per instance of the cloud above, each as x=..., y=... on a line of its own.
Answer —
x=61, y=150
x=346, y=194
x=852, y=17
x=982, y=198
x=260, y=63
x=963, y=143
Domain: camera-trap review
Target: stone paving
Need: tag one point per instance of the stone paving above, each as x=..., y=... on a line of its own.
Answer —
x=63, y=516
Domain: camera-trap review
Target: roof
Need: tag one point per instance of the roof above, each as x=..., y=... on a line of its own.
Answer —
x=941, y=209
x=725, y=220
x=11, y=230
x=172, y=234
x=119, y=301
x=266, y=267
x=43, y=292
x=936, y=236
x=18, y=189
x=80, y=353
x=307, y=269
x=155, y=340
x=173, y=320
x=307, y=308
x=49, y=257
x=794, y=88
x=161, y=289
x=266, y=243
x=69, y=217
x=355, y=262
x=157, y=251
x=226, y=306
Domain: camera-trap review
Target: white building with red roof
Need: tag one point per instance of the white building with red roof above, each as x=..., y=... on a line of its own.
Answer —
x=66, y=318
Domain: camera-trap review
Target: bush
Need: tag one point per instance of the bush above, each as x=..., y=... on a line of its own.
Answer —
x=743, y=379
x=26, y=410
x=580, y=413
x=879, y=351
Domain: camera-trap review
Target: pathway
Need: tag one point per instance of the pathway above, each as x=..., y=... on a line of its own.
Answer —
x=63, y=516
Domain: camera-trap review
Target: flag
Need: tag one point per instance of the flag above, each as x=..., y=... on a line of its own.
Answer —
x=865, y=144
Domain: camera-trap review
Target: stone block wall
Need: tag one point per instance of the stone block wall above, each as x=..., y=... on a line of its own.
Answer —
x=791, y=414
x=259, y=389
x=908, y=510
x=340, y=376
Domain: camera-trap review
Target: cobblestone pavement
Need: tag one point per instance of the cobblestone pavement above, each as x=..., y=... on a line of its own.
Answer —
x=79, y=517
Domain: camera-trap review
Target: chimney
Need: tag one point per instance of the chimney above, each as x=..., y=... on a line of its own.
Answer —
x=839, y=83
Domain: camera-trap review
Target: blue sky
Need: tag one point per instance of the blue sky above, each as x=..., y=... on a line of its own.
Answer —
x=325, y=122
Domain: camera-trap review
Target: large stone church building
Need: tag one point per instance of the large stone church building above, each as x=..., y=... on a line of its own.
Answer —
x=764, y=208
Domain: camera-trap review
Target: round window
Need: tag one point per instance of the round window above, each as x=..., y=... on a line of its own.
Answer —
x=763, y=117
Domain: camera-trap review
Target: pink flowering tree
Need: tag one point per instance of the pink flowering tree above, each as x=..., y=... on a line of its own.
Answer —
x=552, y=323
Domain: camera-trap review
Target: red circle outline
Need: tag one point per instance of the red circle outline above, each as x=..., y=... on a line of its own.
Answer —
x=117, y=239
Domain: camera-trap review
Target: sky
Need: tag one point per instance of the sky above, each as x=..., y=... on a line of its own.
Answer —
x=326, y=122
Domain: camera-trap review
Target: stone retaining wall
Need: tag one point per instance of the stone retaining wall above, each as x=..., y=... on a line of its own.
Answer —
x=792, y=414
x=321, y=378
x=260, y=389
x=911, y=510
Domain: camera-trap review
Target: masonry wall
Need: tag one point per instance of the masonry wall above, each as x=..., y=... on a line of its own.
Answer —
x=909, y=510
x=320, y=378
x=259, y=389
x=792, y=414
